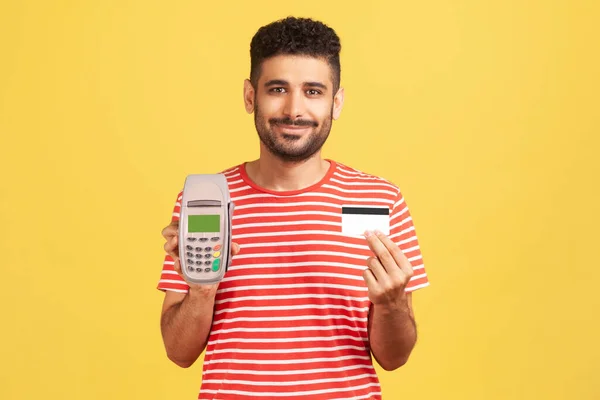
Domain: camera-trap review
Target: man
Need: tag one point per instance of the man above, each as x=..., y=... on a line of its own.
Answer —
x=306, y=301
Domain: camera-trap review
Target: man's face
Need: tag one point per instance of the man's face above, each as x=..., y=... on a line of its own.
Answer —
x=294, y=106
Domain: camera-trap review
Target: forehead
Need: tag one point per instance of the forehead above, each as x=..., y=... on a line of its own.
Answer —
x=296, y=69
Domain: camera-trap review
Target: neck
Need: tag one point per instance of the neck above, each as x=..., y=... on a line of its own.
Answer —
x=272, y=173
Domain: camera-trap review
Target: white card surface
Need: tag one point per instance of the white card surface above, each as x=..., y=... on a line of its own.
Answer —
x=356, y=220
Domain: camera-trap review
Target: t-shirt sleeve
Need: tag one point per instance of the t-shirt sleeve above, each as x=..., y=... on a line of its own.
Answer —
x=169, y=279
x=402, y=232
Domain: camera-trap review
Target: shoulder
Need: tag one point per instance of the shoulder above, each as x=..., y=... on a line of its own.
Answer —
x=232, y=170
x=345, y=174
x=232, y=174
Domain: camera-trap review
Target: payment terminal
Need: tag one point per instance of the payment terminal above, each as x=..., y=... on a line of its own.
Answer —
x=205, y=228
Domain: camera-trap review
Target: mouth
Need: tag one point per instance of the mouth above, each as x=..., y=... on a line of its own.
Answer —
x=294, y=129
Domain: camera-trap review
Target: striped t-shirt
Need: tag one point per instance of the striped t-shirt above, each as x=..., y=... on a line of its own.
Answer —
x=290, y=318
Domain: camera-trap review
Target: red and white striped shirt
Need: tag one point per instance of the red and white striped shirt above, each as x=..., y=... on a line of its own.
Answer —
x=291, y=313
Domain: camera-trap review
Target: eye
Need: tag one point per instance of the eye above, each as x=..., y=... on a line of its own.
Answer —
x=277, y=90
x=314, y=92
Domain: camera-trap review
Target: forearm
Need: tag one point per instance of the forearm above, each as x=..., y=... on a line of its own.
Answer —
x=185, y=327
x=392, y=334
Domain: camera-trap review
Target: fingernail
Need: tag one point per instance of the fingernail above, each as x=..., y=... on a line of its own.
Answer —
x=368, y=233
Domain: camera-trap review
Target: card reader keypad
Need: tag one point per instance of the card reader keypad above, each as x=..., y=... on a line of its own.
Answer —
x=203, y=253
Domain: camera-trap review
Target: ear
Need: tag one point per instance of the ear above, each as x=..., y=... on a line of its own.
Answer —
x=248, y=96
x=338, y=103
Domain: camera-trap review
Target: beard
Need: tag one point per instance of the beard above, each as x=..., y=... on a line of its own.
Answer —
x=292, y=148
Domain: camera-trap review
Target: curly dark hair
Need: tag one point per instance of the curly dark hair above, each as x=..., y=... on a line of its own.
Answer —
x=298, y=36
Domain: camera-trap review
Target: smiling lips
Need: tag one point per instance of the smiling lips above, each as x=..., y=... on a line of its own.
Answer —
x=299, y=127
x=293, y=128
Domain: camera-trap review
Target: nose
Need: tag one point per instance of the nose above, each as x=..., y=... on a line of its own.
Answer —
x=294, y=105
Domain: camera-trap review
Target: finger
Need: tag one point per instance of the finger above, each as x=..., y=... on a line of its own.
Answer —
x=381, y=252
x=171, y=248
x=370, y=280
x=396, y=253
x=168, y=248
x=378, y=271
x=169, y=231
x=175, y=245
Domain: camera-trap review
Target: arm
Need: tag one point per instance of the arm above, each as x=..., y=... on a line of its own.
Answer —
x=186, y=318
x=392, y=330
x=185, y=324
x=392, y=333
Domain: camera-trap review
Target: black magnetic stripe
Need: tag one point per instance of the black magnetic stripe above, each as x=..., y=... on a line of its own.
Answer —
x=366, y=210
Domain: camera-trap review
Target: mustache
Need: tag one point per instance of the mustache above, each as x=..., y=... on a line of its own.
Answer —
x=293, y=122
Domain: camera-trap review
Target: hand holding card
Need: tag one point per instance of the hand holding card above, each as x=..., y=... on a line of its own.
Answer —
x=388, y=272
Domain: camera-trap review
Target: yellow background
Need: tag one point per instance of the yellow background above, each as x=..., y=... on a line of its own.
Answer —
x=486, y=114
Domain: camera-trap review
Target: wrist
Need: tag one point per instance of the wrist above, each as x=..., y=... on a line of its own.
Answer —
x=204, y=293
x=399, y=304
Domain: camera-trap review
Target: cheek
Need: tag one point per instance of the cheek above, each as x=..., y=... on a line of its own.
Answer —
x=323, y=112
x=268, y=107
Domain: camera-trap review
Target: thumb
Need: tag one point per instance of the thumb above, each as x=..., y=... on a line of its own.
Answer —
x=235, y=248
x=177, y=265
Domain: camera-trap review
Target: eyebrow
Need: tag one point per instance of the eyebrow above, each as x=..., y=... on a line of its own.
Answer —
x=280, y=82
